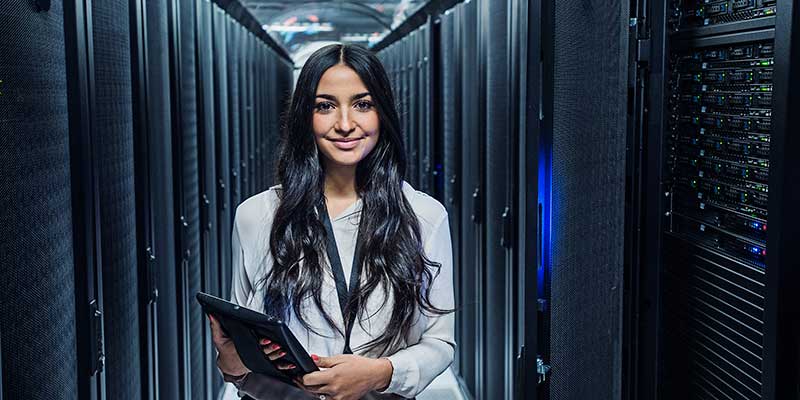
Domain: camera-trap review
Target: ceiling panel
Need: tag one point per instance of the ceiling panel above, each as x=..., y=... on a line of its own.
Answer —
x=300, y=24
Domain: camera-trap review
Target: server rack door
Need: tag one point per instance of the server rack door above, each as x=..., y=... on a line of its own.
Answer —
x=423, y=107
x=406, y=115
x=588, y=192
x=413, y=104
x=39, y=272
x=270, y=109
x=499, y=176
x=223, y=140
x=447, y=62
x=207, y=178
x=145, y=234
x=528, y=60
x=251, y=113
x=260, y=113
x=257, y=139
x=471, y=121
x=185, y=160
x=114, y=149
x=244, y=113
x=234, y=103
x=163, y=259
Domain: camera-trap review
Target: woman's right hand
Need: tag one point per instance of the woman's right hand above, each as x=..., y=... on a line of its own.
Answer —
x=228, y=360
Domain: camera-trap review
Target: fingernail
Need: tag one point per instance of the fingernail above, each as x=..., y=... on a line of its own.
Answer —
x=275, y=346
x=291, y=366
x=315, y=357
x=281, y=354
x=265, y=341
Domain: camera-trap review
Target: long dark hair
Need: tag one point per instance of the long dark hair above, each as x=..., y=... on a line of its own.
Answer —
x=392, y=254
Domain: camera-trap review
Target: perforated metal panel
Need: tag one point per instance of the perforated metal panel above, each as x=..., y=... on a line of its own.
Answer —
x=160, y=119
x=114, y=154
x=498, y=282
x=235, y=121
x=37, y=294
x=589, y=123
x=469, y=116
x=223, y=139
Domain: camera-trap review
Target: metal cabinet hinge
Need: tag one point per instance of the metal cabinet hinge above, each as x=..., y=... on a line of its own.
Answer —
x=152, y=288
x=542, y=369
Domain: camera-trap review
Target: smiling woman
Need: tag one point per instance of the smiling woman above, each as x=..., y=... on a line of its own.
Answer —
x=355, y=260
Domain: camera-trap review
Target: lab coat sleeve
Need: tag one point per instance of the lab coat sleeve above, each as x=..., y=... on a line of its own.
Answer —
x=240, y=281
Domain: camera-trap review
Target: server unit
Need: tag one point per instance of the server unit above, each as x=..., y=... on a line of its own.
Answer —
x=718, y=205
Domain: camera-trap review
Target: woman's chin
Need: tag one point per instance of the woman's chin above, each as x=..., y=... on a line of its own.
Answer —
x=345, y=159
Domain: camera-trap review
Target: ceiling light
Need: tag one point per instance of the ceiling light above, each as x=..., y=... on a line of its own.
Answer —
x=316, y=27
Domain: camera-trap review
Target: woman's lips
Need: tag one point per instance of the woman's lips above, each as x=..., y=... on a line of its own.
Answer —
x=345, y=144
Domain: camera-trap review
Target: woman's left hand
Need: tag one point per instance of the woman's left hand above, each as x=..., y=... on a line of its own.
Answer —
x=348, y=377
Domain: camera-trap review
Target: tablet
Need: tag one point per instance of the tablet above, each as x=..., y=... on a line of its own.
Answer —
x=246, y=327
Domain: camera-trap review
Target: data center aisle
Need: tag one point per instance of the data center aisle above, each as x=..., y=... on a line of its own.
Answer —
x=620, y=178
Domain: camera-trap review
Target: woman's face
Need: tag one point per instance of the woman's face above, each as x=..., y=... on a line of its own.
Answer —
x=346, y=124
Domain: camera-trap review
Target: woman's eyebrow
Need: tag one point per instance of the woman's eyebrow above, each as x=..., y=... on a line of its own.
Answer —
x=333, y=98
x=326, y=96
x=358, y=96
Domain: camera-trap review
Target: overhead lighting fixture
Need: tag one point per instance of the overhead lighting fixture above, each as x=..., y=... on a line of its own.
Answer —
x=315, y=27
x=354, y=37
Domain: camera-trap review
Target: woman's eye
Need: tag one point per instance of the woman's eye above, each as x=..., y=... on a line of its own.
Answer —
x=364, y=105
x=324, y=107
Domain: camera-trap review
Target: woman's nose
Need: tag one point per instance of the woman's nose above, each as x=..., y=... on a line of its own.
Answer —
x=344, y=126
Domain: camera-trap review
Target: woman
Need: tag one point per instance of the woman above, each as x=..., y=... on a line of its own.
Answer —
x=341, y=171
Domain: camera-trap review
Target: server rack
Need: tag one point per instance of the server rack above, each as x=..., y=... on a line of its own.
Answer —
x=715, y=261
x=223, y=137
x=115, y=153
x=526, y=58
x=424, y=120
x=79, y=56
x=499, y=183
x=38, y=265
x=158, y=279
x=235, y=122
x=145, y=230
x=470, y=236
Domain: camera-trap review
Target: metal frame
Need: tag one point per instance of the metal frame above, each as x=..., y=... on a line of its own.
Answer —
x=85, y=199
x=545, y=150
x=222, y=158
x=781, y=373
x=182, y=276
x=147, y=293
x=644, y=363
x=529, y=20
